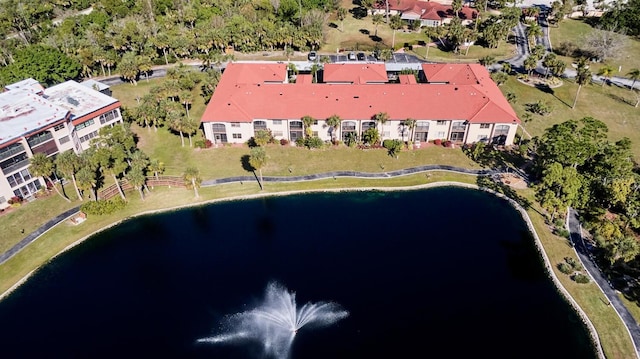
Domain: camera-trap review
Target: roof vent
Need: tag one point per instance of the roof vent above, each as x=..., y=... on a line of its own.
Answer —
x=356, y=96
x=455, y=89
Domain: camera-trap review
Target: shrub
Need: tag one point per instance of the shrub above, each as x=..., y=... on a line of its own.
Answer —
x=103, y=207
x=540, y=107
x=200, y=144
x=446, y=143
x=15, y=200
x=284, y=142
x=573, y=263
x=313, y=142
x=208, y=143
x=437, y=142
x=565, y=268
x=562, y=232
x=580, y=278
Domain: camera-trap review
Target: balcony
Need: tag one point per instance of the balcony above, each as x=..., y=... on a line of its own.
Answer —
x=16, y=166
x=39, y=138
x=458, y=128
x=348, y=128
x=14, y=150
x=422, y=128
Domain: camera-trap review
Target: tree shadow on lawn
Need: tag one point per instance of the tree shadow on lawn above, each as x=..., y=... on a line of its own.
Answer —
x=487, y=182
x=246, y=165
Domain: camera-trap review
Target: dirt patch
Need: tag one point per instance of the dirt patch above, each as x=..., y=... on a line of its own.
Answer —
x=513, y=180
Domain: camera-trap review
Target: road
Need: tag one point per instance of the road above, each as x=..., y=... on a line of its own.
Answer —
x=585, y=256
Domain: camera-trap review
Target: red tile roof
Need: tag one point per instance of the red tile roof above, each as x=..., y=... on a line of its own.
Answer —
x=455, y=74
x=355, y=73
x=407, y=79
x=236, y=102
x=428, y=10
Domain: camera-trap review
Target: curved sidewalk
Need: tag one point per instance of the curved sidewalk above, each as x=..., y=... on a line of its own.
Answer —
x=575, y=230
x=58, y=219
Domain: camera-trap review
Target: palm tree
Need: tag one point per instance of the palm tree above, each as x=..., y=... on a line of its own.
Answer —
x=334, y=121
x=156, y=167
x=634, y=75
x=137, y=179
x=112, y=161
x=411, y=125
x=606, y=72
x=381, y=118
x=192, y=179
x=548, y=62
x=487, y=61
x=69, y=163
x=342, y=14
x=456, y=6
x=42, y=166
x=377, y=20
x=530, y=64
x=583, y=77
x=534, y=31
x=506, y=67
x=395, y=24
x=257, y=160
x=87, y=179
x=307, y=122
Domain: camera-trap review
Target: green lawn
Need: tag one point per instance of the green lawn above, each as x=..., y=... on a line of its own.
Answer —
x=573, y=31
x=603, y=103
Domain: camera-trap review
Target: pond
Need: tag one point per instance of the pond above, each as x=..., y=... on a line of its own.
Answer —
x=444, y=272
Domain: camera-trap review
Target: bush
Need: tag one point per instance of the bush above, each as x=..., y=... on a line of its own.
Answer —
x=580, y=278
x=446, y=143
x=300, y=142
x=313, y=142
x=200, y=144
x=15, y=200
x=562, y=232
x=565, y=268
x=103, y=207
x=284, y=142
x=437, y=142
x=573, y=263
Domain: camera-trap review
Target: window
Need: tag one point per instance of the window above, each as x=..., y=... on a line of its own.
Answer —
x=315, y=122
x=441, y=123
x=440, y=134
x=84, y=124
x=58, y=127
x=277, y=134
x=314, y=133
x=260, y=125
x=109, y=116
x=485, y=125
x=277, y=122
x=218, y=127
x=237, y=136
x=88, y=136
x=235, y=124
x=64, y=139
x=2, y=199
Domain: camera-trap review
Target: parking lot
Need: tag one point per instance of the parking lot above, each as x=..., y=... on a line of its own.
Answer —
x=397, y=57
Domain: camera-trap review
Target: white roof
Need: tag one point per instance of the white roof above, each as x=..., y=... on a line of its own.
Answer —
x=22, y=111
x=29, y=84
x=80, y=100
x=94, y=85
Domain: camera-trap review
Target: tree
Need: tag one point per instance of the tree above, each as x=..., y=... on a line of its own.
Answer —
x=606, y=72
x=381, y=118
x=137, y=179
x=456, y=6
x=559, y=188
x=634, y=75
x=487, y=61
x=583, y=77
x=500, y=77
x=129, y=68
x=455, y=33
x=386, y=54
x=68, y=163
x=371, y=136
x=376, y=19
x=393, y=147
x=506, y=68
x=192, y=179
x=262, y=137
x=307, y=122
x=87, y=178
x=43, y=166
x=45, y=64
x=257, y=160
x=548, y=61
x=534, y=31
x=557, y=67
x=156, y=167
x=530, y=64
x=342, y=14
x=411, y=124
x=605, y=44
x=395, y=24
x=334, y=121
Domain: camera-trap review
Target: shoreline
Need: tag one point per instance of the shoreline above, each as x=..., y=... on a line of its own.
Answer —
x=595, y=339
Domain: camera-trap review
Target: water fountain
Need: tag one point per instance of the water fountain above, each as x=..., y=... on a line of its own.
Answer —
x=276, y=321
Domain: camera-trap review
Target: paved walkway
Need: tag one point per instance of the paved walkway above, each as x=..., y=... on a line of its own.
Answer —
x=58, y=219
x=587, y=261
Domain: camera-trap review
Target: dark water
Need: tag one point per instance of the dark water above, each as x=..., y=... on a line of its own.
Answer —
x=442, y=273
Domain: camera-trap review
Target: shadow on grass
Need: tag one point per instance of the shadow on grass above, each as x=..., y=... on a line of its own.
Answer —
x=375, y=38
x=246, y=165
x=621, y=99
x=364, y=31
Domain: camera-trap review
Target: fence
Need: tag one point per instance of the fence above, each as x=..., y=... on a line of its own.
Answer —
x=152, y=181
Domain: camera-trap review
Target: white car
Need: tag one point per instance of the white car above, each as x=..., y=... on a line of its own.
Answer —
x=352, y=56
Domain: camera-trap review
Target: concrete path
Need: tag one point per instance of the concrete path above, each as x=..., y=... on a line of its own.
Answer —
x=37, y=233
x=584, y=253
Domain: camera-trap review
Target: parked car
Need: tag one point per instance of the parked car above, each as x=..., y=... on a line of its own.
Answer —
x=313, y=56
x=352, y=56
x=361, y=56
